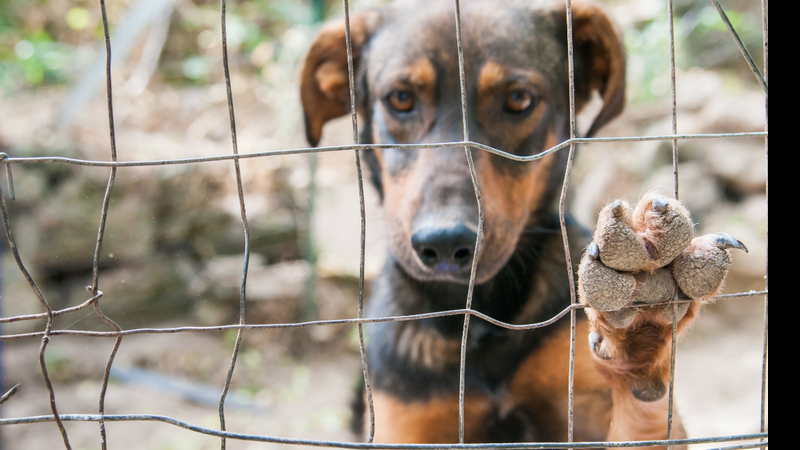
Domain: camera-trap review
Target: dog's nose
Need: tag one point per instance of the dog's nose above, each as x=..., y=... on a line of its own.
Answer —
x=445, y=249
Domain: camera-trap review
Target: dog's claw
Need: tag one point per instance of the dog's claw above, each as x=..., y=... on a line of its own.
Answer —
x=595, y=342
x=616, y=208
x=593, y=251
x=595, y=339
x=660, y=204
x=726, y=241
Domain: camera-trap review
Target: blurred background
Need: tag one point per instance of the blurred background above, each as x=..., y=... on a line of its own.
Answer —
x=173, y=249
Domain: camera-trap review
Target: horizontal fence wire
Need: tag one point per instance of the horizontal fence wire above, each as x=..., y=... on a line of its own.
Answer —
x=467, y=312
x=361, y=445
x=313, y=323
x=8, y=160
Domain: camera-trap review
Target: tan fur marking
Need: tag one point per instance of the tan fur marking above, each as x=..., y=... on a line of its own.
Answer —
x=495, y=82
x=513, y=201
x=513, y=198
x=543, y=381
x=401, y=199
x=547, y=370
x=433, y=421
x=636, y=420
x=492, y=74
x=421, y=73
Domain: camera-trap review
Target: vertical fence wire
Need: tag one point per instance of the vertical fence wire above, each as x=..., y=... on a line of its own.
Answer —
x=48, y=315
x=362, y=209
x=474, y=178
x=94, y=287
x=10, y=179
x=573, y=130
x=673, y=89
x=245, y=226
x=765, y=34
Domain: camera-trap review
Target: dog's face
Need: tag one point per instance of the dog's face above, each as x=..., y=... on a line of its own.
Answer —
x=408, y=90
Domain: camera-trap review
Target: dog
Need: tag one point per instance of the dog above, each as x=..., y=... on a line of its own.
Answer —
x=407, y=91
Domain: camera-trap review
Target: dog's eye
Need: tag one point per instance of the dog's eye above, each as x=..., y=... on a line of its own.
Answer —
x=518, y=100
x=401, y=101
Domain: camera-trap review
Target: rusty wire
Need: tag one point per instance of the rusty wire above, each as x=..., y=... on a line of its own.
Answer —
x=362, y=209
x=283, y=325
x=742, y=48
x=360, y=445
x=467, y=312
x=94, y=287
x=9, y=160
x=240, y=191
x=573, y=133
x=14, y=389
x=764, y=34
x=674, y=97
x=478, y=240
x=48, y=315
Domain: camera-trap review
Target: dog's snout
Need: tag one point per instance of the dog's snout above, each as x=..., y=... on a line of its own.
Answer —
x=446, y=249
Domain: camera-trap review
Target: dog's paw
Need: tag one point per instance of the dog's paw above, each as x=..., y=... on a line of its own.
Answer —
x=641, y=261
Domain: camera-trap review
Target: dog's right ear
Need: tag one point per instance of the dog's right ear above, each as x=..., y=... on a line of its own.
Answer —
x=324, y=81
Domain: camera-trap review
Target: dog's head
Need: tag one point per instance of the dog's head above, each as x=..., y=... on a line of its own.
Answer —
x=517, y=91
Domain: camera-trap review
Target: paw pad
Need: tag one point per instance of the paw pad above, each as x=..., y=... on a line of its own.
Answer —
x=646, y=256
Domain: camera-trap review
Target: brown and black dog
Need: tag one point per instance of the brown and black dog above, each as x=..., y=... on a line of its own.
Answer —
x=516, y=67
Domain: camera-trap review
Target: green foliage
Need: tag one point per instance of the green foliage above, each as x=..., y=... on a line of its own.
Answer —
x=701, y=40
x=253, y=31
x=47, y=50
x=34, y=61
x=30, y=54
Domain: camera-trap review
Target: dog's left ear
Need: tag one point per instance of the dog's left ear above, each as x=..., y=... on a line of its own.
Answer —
x=324, y=81
x=599, y=60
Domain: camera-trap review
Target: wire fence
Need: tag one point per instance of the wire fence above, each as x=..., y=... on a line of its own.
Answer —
x=754, y=440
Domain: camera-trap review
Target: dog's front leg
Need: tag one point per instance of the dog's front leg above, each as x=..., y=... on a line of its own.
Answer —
x=642, y=268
